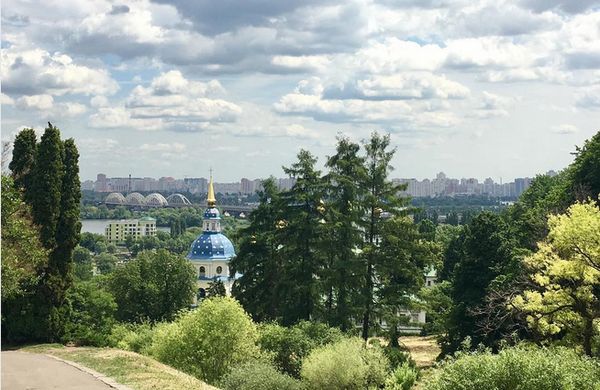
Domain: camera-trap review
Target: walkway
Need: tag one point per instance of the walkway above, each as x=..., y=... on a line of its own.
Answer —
x=30, y=371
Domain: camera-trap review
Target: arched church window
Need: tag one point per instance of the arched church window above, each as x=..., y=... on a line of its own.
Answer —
x=202, y=272
x=219, y=270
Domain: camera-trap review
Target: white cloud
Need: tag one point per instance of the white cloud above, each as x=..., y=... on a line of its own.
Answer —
x=35, y=102
x=99, y=101
x=6, y=100
x=492, y=105
x=164, y=147
x=37, y=72
x=589, y=98
x=565, y=129
x=415, y=85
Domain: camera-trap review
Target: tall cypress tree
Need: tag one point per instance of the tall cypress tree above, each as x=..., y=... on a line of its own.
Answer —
x=68, y=227
x=343, y=233
x=23, y=159
x=46, y=185
x=381, y=200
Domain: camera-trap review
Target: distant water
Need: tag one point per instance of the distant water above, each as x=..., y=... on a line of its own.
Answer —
x=98, y=225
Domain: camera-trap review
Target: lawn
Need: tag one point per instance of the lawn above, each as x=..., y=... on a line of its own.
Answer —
x=423, y=350
x=128, y=368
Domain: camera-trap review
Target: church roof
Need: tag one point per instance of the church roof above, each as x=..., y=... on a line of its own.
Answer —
x=211, y=246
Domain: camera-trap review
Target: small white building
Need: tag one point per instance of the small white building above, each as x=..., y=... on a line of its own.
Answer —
x=118, y=231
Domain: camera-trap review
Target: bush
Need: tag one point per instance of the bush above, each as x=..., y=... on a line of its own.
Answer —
x=402, y=378
x=92, y=315
x=209, y=341
x=346, y=364
x=398, y=357
x=521, y=367
x=133, y=337
x=290, y=345
x=258, y=375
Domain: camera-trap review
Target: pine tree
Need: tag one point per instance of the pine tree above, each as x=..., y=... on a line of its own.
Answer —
x=259, y=259
x=46, y=185
x=342, y=232
x=300, y=234
x=23, y=159
x=381, y=202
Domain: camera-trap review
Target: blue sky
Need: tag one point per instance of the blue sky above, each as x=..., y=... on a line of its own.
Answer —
x=173, y=87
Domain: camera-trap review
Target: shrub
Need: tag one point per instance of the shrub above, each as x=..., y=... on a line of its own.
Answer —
x=290, y=345
x=402, y=378
x=258, y=375
x=209, y=341
x=133, y=337
x=398, y=357
x=520, y=368
x=92, y=315
x=346, y=364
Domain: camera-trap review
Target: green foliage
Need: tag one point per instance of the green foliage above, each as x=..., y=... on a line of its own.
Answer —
x=91, y=316
x=105, y=262
x=83, y=268
x=23, y=160
x=585, y=170
x=95, y=243
x=290, y=345
x=258, y=258
x=488, y=259
x=216, y=288
x=209, y=341
x=437, y=303
x=258, y=375
x=133, y=337
x=23, y=257
x=566, y=277
x=346, y=364
x=154, y=286
x=402, y=378
x=397, y=357
x=518, y=368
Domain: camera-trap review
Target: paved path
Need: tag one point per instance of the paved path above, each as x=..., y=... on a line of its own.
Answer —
x=30, y=371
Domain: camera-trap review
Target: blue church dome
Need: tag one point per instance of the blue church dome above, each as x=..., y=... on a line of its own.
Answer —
x=211, y=213
x=211, y=246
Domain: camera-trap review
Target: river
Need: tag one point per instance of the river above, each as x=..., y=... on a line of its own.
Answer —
x=98, y=225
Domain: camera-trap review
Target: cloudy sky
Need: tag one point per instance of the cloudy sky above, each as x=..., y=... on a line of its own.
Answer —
x=171, y=87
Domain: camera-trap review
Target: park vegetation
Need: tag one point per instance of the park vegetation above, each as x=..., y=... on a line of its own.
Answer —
x=327, y=269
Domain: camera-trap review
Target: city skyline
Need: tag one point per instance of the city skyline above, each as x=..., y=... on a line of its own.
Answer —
x=477, y=88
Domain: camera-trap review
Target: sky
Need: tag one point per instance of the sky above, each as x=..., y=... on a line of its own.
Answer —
x=488, y=88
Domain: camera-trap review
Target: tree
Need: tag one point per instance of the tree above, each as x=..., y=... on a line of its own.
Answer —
x=566, y=274
x=585, y=170
x=452, y=218
x=487, y=259
x=258, y=259
x=23, y=159
x=209, y=341
x=300, y=234
x=216, y=288
x=343, y=211
x=404, y=257
x=82, y=261
x=153, y=286
x=23, y=256
x=46, y=185
x=381, y=198
x=105, y=263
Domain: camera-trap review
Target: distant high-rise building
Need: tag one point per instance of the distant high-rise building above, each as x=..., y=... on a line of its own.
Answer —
x=101, y=184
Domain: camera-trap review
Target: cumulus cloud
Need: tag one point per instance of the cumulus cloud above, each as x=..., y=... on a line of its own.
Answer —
x=492, y=105
x=35, y=102
x=589, y=98
x=37, y=72
x=164, y=147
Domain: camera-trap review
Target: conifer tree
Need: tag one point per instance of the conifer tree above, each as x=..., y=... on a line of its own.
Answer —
x=23, y=159
x=343, y=234
x=381, y=201
x=300, y=234
x=46, y=185
x=258, y=259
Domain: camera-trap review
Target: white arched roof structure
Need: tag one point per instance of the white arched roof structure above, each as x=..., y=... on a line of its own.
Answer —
x=135, y=198
x=178, y=199
x=156, y=199
x=115, y=198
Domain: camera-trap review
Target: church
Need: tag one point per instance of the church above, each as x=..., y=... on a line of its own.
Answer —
x=211, y=251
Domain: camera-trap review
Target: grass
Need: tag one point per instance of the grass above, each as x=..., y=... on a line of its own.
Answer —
x=423, y=350
x=128, y=368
